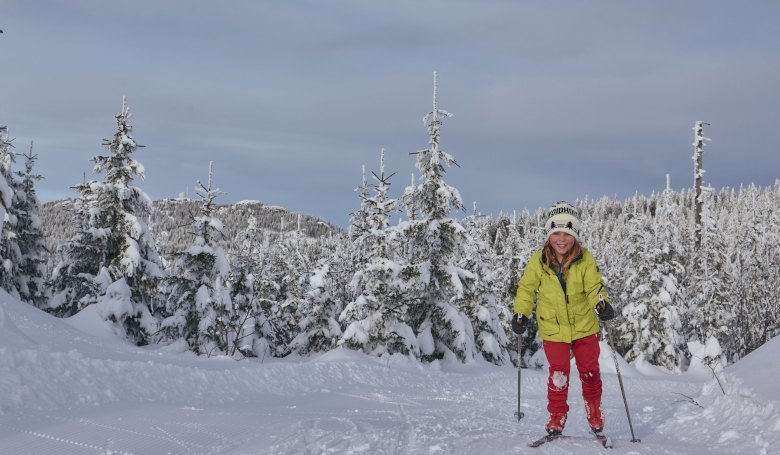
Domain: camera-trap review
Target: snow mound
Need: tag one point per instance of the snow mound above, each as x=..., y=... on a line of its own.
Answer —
x=607, y=362
x=10, y=335
x=47, y=363
x=760, y=370
x=90, y=321
x=740, y=408
x=248, y=202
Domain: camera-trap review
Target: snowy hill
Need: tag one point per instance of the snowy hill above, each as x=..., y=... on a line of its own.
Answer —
x=70, y=387
x=170, y=214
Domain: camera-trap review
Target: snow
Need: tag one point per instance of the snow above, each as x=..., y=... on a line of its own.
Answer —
x=425, y=341
x=759, y=368
x=116, y=301
x=559, y=380
x=705, y=357
x=317, y=279
x=90, y=321
x=71, y=387
x=607, y=363
x=247, y=202
x=355, y=332
x=274, y=207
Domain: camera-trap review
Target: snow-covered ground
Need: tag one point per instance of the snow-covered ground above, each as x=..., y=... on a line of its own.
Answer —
x=72, y=387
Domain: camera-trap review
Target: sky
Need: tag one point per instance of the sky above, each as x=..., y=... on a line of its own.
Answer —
x=552, y=100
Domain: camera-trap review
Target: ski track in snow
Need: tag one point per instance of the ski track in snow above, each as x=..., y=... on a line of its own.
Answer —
x=71, y=393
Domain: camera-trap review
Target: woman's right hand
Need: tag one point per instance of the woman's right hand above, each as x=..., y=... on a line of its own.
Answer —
x=605, y=311
x=519, y=326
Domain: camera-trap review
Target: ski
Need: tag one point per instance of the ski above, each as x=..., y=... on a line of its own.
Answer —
x=548, y=438
x=602, y=438
x=605, y=441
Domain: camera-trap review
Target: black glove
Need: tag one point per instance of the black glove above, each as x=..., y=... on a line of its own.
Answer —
x=605, y=311
x=519, y=326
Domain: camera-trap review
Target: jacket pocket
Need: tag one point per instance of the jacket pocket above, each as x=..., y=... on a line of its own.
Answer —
x=548, y=321
x=585, y=318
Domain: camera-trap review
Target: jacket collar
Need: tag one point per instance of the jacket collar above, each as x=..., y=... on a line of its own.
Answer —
x=544, y=257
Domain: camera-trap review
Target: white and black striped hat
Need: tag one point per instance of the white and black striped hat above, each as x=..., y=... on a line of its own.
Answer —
x=563, y=217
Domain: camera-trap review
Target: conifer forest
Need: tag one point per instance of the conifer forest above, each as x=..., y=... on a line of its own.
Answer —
x=255, y=280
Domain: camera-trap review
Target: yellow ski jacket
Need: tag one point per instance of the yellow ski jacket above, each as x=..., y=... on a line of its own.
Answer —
x=562, y=316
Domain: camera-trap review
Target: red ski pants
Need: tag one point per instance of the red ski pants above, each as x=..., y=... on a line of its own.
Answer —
x=586, y=353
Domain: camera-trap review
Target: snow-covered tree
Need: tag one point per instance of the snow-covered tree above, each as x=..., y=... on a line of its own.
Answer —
x=376, y=316
x=708, y=311
x=236, y=317
x=72, y=282
x=652, y=323
x=274, y=292
x=10, y=253
x=753, y=257
x=295, y=267
x=434, y=244
x=197, y=300
x=358, y=222
x=521, y=241
x=112, y=261
x=319, y=328
x=5, y=191
x=31, y=241
x=251, y=328
x=479, y=301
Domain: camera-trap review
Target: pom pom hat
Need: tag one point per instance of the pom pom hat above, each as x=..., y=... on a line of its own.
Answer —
x=563, y=217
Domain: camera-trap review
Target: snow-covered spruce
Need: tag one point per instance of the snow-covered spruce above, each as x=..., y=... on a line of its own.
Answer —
x=294, y=259
x=652, y=323
x=111, y=262
x=249, y=292
x=198, y=306
x=5, y=191
x=278, y=326
x=707, y=316
x=434, y=243
x=319, y=329
x=479, y=299
x=516, y=239
x=30, y=239
x=376, y=317
x=11, y=188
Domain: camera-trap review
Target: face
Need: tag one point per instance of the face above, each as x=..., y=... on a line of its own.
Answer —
x=561, y=242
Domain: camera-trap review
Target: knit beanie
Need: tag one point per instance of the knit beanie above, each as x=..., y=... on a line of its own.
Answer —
x=563, y=217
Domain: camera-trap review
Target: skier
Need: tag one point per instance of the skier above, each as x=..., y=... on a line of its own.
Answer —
x=569, y=283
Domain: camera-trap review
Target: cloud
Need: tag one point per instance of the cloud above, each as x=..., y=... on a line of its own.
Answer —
x=552, y=100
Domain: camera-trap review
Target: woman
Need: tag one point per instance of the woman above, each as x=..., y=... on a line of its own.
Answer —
x=569, y=284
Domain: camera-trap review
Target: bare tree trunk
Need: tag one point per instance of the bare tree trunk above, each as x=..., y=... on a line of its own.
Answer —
x=697, y=180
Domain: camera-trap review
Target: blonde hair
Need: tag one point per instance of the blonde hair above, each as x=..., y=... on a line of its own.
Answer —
x=549, y=254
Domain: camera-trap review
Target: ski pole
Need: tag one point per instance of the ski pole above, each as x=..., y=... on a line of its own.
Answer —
x=617, y=368
x=518, y=414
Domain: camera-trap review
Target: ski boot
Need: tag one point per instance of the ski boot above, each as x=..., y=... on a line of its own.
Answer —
x=556, y=422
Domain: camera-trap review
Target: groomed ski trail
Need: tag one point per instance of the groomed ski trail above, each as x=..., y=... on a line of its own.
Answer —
x=448, y=413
